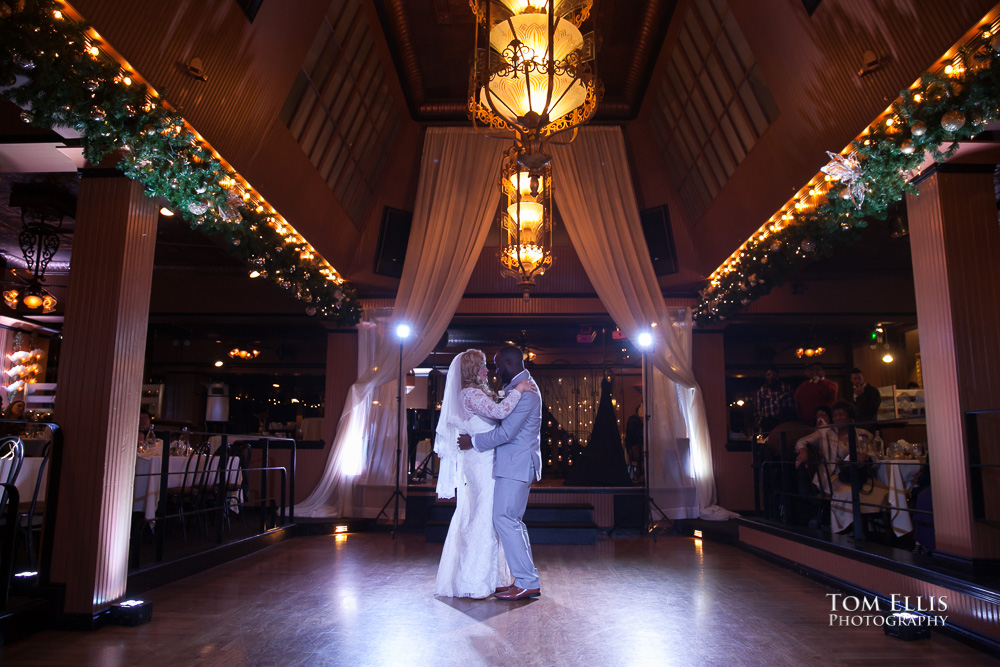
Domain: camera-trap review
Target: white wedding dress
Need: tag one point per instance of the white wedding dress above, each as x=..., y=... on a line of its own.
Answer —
x=473, y=564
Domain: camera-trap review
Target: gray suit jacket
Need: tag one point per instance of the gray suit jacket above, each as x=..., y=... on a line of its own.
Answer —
x=518, y=437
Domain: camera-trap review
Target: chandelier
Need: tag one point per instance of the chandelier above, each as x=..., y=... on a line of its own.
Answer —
x=39, y=241
x=531, y=80
x=525, y=220
x=532, y=77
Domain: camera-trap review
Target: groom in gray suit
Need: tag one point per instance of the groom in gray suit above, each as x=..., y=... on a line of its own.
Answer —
x=517, y=464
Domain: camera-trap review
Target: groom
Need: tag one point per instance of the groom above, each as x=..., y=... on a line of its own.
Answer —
x=518, y=462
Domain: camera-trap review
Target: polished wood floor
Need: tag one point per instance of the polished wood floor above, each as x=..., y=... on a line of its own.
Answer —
x=367, y=601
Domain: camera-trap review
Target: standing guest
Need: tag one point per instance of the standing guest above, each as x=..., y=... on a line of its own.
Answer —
x=773, y=396
x=867, y=398
x=814, y=392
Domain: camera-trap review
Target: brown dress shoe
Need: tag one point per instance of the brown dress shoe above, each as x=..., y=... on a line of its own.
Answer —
x=516, y=593
x=503, y=589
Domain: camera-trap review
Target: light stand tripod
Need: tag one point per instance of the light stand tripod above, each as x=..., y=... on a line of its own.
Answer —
x=645, y=340
x=402, y=333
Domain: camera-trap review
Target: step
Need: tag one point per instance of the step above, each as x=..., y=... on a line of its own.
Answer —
x=535, y=512
x=539, y=532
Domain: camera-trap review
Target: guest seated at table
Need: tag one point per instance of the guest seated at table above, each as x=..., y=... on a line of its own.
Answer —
x=14, y=412
x=146, y=432
x=832, y=445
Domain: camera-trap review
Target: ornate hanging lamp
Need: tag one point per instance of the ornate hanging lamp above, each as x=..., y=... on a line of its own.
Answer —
x=525, y=220
x=533, y=76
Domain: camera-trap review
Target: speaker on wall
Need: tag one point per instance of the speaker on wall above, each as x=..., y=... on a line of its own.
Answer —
x=659, y=239
x=393, y=236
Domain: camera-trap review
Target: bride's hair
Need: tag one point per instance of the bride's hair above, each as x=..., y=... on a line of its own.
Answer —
x=471, y=361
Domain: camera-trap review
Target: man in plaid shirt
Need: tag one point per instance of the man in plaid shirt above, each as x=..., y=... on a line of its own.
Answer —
x=773, y=398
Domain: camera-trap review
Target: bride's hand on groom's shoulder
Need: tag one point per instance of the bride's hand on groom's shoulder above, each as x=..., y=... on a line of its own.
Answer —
x=526, y=386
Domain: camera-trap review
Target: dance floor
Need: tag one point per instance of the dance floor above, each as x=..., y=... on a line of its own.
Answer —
x=368, y=600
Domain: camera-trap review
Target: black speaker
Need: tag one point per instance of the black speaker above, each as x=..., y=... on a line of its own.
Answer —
x=393, y=237
x=659, y=239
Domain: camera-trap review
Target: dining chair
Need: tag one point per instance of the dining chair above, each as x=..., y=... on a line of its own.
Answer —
x=230, y=487
x=190, y=489
x=34, y=518
x=11, y=458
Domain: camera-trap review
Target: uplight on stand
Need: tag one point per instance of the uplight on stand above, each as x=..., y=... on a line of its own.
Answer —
x=644, y=341
x=402, y=333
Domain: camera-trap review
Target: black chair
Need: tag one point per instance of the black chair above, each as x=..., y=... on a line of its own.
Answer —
x=230, y=486
x=188, y=494
x=32, y=520
x=11, y=458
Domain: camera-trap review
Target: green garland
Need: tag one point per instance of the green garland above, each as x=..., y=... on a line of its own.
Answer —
x=941, y=110
x=47, y=69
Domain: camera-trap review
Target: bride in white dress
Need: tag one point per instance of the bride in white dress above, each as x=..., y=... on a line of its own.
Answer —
x=472, y=561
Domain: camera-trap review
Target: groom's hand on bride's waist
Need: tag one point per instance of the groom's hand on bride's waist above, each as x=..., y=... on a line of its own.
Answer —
x=465, y=441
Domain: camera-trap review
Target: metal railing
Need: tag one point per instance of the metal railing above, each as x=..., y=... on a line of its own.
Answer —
x=231, y=489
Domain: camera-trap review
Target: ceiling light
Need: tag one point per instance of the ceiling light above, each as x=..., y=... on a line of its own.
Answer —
x=166, y=212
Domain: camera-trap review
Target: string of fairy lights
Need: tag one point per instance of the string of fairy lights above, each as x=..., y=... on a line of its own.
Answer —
x=952, y=102
x=64, y=74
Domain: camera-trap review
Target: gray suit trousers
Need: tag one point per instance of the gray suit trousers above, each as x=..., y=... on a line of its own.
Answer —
x=510, y=498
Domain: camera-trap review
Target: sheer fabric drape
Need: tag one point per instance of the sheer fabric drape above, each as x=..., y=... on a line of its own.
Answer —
x=593, y=190
x=456, y=199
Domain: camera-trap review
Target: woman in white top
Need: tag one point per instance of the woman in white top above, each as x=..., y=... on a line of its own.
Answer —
x=472, y=561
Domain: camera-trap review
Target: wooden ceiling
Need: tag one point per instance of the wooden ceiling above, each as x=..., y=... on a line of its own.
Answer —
x=432, y=42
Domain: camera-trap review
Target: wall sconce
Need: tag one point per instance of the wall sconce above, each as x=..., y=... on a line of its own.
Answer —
x=196, y=69
x=869, y=63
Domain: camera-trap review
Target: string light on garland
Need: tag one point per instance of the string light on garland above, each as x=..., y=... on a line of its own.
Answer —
x=52, y=63
x=951, y=103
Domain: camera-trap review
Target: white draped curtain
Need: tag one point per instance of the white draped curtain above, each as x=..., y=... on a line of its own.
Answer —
x=456, y=199
x=593, y=189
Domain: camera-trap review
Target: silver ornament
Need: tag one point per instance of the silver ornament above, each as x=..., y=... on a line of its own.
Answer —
x=279, y=248
x=918, y=129
x=775, y=245
x=97, y=114
x=745, y=301
x=807, y=245
x=953, y=121
x=236, y=242
x=23, y=62
x=27, y=117
x=91, y=85
x=310, y=311
x=907, y=147
x=198, y=207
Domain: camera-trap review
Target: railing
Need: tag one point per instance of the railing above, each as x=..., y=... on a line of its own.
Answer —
x=771, y=472
x=215, y=500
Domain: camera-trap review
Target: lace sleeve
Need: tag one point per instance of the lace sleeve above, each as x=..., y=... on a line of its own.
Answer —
x=478, y=403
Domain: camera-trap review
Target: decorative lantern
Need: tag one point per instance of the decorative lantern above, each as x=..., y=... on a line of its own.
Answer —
x=525, y=220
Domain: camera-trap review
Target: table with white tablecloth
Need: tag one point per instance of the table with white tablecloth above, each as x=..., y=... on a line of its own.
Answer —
x=898, y=476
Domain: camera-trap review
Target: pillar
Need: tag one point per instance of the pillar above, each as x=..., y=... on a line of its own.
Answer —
x=955, y=243
x=100, y=386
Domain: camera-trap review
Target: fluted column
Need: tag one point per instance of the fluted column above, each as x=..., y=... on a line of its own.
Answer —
x=955, y=242
x=100, y=384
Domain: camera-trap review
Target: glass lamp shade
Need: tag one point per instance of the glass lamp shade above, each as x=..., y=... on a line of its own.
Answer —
x=527, y=257
x=523, y=84
x=32, y=299
x=529, y=218
x=520, y=183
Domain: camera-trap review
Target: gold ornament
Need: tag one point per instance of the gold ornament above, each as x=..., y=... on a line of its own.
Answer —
x=5, y=10
x=953, y=121
x=918, y=129
x=907, y=147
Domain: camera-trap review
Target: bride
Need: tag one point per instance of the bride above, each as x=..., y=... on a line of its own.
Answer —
x=472, y=561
